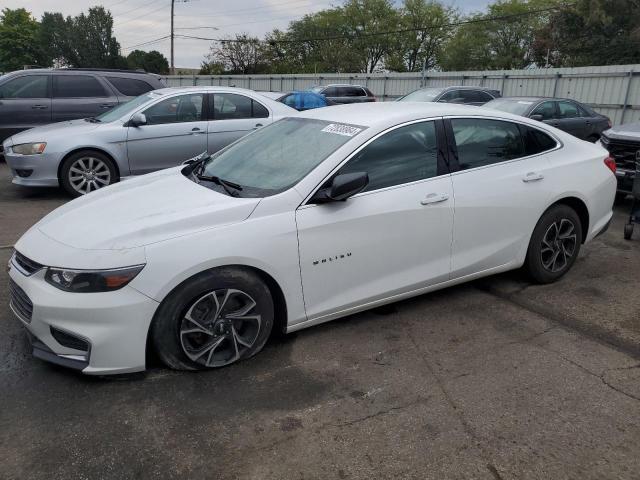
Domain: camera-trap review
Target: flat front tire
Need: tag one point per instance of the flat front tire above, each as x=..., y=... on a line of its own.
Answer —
x=215, y=319
x=554, y=245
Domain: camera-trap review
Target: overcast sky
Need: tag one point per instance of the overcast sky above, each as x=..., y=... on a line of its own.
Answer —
x=139, y=21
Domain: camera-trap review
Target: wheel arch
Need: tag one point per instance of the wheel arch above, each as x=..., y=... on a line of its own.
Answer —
x=277, y=294
x=581, y=210
x=88, y=149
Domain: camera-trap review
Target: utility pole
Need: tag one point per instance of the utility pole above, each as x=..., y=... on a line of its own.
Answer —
x=173, y=67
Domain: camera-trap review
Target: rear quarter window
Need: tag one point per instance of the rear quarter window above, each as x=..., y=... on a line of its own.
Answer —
x=129, y=87
x=536, y=141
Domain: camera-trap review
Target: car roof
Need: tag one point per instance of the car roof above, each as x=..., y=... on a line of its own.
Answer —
x=381, y=115
x=536, y=99
x=80, y=70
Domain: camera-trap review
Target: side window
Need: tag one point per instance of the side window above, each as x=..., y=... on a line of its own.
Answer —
x=28, y=86
x=476, y=96
x=484, y=142
x=290, y=100
x=77, y=86
x=129, y=87
x=569, y=110
x=230, y=106
x=330, y=92
x=259, y=110
x=536, y=141
x=546, y=109
x=403, y=155
x=452, y=96
x=183, y=108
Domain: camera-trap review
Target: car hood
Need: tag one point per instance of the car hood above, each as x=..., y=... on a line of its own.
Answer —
x=45, y=132
x=629, y=131
x=144, y=210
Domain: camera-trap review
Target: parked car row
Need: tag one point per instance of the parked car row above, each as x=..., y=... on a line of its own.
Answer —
x=159, y=128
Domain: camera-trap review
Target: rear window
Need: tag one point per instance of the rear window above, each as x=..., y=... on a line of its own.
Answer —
x=351, y=92
x=129, y=87
x=77, y=86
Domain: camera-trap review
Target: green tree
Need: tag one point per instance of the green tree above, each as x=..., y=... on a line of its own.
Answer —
x=425, y=24
x=503, y=43
x=591, y=32
x=152, y=61
x=241, y=54
x=19, y=46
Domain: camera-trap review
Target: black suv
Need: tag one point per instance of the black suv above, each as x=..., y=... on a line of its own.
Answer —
x=29, y=98
x=340, y=93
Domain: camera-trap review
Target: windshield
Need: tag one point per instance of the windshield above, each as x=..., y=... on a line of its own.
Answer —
x=422, y=95
x=127, y=107
x=274, y=158
x=317, y=89
x=518, y=107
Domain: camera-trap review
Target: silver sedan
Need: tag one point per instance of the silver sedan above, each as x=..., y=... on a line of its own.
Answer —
x=157, y=130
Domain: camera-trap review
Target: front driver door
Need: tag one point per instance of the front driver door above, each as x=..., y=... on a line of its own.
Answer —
x=393, y=238
x=176, y=130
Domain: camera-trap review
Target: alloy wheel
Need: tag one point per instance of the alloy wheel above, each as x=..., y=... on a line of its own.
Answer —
x=87, y=174
x=219, y=327
x=558, y=245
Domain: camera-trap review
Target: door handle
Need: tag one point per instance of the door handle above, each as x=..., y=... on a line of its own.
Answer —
x=532, y=177
x=107, y=105
x=196, y=131
x=39, y=107
x=434, y=198
x=258, y=125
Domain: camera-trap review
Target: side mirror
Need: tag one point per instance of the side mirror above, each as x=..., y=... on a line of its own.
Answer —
x=138, y=119
x=537, y=117
x=342, y=187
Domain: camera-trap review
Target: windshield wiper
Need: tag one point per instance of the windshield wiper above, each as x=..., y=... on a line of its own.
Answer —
x=226, y=184
x=92, y=120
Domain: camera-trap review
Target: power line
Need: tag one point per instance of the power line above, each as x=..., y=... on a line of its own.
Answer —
x=138, y=17
x=225, y=14
x=150, y=42
x=389, y=32
x=135, y=9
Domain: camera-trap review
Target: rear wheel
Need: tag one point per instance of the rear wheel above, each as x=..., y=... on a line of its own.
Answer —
x=87, y=171
x=214, y=319
x=554, y=245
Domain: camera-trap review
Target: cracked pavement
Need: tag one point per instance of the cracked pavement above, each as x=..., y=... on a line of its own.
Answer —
x=489, y=380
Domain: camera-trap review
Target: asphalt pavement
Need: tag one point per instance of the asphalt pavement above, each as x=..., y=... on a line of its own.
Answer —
x=496, y=379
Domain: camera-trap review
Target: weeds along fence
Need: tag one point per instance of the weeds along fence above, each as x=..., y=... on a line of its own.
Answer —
x=611, y=90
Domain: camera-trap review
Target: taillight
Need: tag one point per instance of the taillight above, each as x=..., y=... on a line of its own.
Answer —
x=609, y=122
x=610, y=163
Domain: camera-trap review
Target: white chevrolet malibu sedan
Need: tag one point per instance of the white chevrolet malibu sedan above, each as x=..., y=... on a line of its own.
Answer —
x=309, y=219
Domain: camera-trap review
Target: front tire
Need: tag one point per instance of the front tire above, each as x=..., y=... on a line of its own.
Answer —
x=86, y=171
x=214, y=319
x=554, y=245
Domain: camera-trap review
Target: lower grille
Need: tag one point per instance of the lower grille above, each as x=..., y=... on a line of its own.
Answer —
x=70, y=341
x=20, y=302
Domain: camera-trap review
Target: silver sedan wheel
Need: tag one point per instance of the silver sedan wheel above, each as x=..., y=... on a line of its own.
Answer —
x=87, y=174
x=219, y=327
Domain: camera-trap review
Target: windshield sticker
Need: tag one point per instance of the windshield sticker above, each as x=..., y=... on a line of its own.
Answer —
x=340, y=129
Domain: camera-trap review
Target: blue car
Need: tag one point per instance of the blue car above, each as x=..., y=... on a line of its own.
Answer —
x=300, y=100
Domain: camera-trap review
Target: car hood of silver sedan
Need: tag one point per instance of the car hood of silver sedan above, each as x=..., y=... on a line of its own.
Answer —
x=144, y=210
x=629, y=131
x=46, y=132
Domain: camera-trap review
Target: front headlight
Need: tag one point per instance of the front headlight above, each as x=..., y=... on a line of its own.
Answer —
x=29, y=148
x=91, y=281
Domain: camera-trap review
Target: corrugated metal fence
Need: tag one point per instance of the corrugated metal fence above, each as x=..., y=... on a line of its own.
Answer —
x=612, y=90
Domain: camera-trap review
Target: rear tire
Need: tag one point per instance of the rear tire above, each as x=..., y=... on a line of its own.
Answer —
x=87, y=171
x=212, y=320
x=628, y=231
x=554, y=245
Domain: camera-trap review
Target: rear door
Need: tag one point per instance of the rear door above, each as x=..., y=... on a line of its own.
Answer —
x=80, y=96
x=573, y=119
x=500, y=191
x=176, y=130
x=232, y=116
x=25, y=102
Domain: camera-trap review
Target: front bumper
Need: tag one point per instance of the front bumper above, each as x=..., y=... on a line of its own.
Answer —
x=114, y=325
x=625, y=179
x=34, y=170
